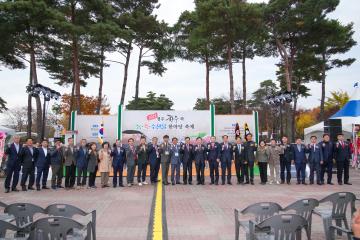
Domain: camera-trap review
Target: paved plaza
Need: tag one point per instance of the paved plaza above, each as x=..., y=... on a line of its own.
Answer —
x=192, y=212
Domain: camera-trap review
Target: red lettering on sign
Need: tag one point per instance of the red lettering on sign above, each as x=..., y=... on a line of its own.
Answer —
x=152, y=116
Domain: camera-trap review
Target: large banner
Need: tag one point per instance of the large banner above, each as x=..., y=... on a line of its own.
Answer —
x=158, y=123
x=152, y=123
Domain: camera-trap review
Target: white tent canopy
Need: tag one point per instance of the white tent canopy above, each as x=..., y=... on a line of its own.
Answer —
x=8, y=131
x=349, y=115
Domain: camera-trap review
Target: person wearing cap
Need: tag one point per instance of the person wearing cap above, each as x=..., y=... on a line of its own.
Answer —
x=42, y=163
x=327, y=148
x=165, y=159
x=342, y=158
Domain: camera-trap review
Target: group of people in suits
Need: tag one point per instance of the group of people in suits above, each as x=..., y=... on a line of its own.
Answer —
x=84, y=161
x=320, y=157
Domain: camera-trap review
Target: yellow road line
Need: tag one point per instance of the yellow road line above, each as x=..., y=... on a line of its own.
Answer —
x=157, y=227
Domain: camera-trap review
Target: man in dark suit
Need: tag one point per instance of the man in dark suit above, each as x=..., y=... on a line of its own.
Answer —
x=81, y=155
x=28, y=156
x=200, y=157
x=187, y=161
x=165, y=159
x=342, y=157
x=315, y=159
x=285, y=160
x=239, y=159
x=13, y=165
x=42, y=163
x=119, y=158
x=250, y=148
x=327, y=148
x=213, y=157
x=154, y=159
x=299, y=153
x=142, y=160
x=226, y=158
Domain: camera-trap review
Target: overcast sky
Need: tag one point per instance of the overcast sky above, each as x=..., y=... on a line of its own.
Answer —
x=184, y=81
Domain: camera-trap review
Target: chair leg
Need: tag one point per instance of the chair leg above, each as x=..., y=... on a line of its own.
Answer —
x=338, y=223
x=327, y=223
x=93, y=222
x=237, y=230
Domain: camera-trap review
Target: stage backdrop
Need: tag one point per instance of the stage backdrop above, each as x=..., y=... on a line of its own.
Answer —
x=133, y=123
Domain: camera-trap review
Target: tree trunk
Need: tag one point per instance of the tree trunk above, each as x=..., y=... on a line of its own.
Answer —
x=138, y=74
x=126, y=66
x=243, y=64
x=293, y=120
x=322, y=101
x=207, y=83
x=29, y=107
x=231, y=77
x=37, y=99
x=72, y=98
x=75, y=63
x=101, y=78
x=284, y=55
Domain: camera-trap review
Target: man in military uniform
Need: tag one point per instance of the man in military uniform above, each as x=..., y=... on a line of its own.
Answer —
x=327, y=148
x=226, y=157
x=239, y=159
x=165, y=159
x=285, y=160
x=250, y=148
x=141, y=151
x=200, y=157
x=342, y=157
x=187, y=160
x=213, y=157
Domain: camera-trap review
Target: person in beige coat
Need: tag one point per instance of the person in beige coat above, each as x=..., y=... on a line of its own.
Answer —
x=274, y=152
x=105, y=164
